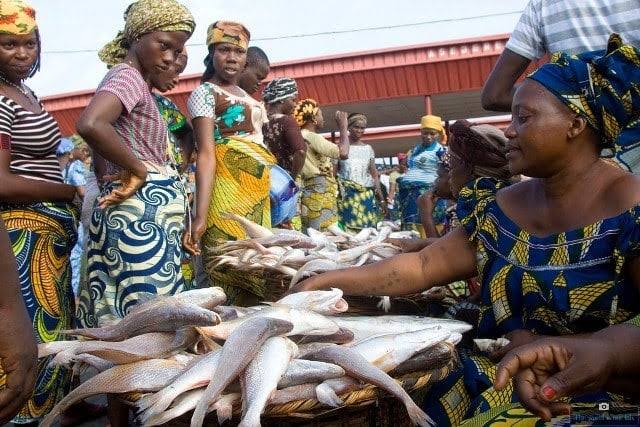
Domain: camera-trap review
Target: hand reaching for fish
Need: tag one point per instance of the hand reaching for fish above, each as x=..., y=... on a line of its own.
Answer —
x=191, y=240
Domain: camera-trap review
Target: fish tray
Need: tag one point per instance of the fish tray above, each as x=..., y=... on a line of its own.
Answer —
x=367, y=407
x=268, y=285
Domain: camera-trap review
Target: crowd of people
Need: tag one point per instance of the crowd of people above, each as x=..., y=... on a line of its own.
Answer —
x=532, y=230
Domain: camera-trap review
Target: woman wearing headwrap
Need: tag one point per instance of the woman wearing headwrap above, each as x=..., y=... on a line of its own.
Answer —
x=422, y=163
x=358, y=181
x=135, y=235
x=36, y=208
x=319, y=188
x=557, y=254
x=232, y=174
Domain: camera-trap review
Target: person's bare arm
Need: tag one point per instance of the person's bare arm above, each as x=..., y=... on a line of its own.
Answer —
x=205, y=178
x=18, y=350
x=18, y=189
x=449, y=259
x=293, y=138
x=426, y=205
x=497, y=93
x=343, y=142
x=185, y=139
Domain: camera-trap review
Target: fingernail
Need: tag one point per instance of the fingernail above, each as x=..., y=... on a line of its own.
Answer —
x=548, y=392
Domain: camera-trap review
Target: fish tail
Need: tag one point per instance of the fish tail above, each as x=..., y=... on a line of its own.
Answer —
x=153, y=404
x=417, y=415
x=327, y=396
x=251, y=419
x=224, y=412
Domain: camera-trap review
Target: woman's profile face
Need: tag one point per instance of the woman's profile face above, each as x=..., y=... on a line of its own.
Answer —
x=538, y=133
x=157, y=53
x=356, y=131
x=18, y=53
x=459, y=174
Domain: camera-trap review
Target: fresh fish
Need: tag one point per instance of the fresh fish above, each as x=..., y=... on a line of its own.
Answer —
x=337, y=231
x=83, y=361
x=321, y=240
x=327, y=392
x=296, y=392
x=238, y=351
x=383, y=233
x=293, y=257
x=153, y=345
x=302, y=371
x=313, y=267
x=343, y=336
x=161, y=315
x=386, y=251
x=206, y=298
x=323, y=302
x=184, y=403
x=350, y=255
x=252, y=229
x=366, y=326
x=304, y=322
x=362, y=260
x=384, y=304
x=312, y=347
x=404, y=235
x=388, y=351
x=198, y=375
x=427, y=360
x=261, y=377
x=359, y=368
x=147, y=375
x=363, y=235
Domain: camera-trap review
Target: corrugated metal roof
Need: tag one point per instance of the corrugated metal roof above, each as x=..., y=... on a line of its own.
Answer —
x=429, y=69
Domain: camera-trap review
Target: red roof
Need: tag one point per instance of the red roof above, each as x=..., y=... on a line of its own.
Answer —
x=428, y=69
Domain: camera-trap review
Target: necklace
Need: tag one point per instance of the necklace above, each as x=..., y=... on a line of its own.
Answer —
x=20, y=87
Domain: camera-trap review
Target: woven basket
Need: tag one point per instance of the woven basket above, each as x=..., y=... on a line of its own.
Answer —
x=368, y=406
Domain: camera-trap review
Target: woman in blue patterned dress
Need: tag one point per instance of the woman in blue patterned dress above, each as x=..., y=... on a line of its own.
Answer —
x=556, y=254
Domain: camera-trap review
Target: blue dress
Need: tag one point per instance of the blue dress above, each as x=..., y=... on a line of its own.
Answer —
x=565, y=283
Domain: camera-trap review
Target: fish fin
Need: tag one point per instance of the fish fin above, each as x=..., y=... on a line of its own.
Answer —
x=326, y=396
x=418, y=416
x=224, y=413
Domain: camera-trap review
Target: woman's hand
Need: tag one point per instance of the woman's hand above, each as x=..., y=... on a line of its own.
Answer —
x=556, y=367
x=191, y=240
x=130, y=182
x=18, y=358
x=342, y=119
x=516, y=338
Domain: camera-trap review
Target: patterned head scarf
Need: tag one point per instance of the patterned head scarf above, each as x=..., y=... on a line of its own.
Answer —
x=143, y=17
x=601, y=86
x=279, y=89
x=306, y=111
x=17, y=17
x=482, y=148
x=357, y=118
x=228, y=32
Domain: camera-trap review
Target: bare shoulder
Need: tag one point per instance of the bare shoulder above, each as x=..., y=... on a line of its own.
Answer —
x=518, y=191
x=623, y=191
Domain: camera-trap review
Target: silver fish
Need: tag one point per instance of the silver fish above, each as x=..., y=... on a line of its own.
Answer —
x=261, y=377
x=296, y=392
x=302, y=371
x=427, y=360
x=327, y=392
x=147, y=375
x=196, y=376
x=224, y=406
x=238, y=351
x=324, y=302
x=388, y=351
x=252, y=229
x=358, y=367
x=313, y=267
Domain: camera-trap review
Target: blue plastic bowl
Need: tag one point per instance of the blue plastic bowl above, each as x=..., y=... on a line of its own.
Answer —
x=284, y=196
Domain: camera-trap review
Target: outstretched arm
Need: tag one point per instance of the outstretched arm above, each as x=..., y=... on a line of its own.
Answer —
x=497, y=93
x=451, y=258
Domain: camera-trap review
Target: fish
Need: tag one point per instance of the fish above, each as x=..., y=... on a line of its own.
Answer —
x=366, y=326
x=197, y=375
x=260, y=378
x=363, y=235
x=153, y=345
x=324, y=302
x=206, y=298
x=297, y=392
x=356, y=366
x=337, y=231
x=343, y=336
x=224, y=406
x=315, y=266
x=388, y=351
x=304, y=322
x=252, y=229
x=238, y=351
x=350, y=255
x=302, y=371
x=327, y=392
x=383, y=233
x=426, y=360
x=147, y=375
x=160, y=315
x=321, y=240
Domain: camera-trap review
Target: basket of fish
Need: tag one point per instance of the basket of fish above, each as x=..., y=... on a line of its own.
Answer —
x=299, y=357
x=284, y=257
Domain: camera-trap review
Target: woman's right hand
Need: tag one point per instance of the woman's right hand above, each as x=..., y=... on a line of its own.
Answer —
x=130, y=182
x=191, y=241
x=342, y=119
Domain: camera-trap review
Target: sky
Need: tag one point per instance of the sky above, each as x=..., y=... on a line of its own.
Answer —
x=73, y=31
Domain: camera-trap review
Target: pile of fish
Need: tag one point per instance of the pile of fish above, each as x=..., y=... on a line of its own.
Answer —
x=191, y=353
x=296, y=255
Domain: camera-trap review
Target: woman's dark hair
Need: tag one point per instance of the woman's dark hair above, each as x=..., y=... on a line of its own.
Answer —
x=36, y=65
x=209, y=71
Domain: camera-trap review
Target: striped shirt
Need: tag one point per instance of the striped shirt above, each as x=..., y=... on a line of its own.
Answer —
x=33, y=139
x=140, y=126
x=574, y=26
